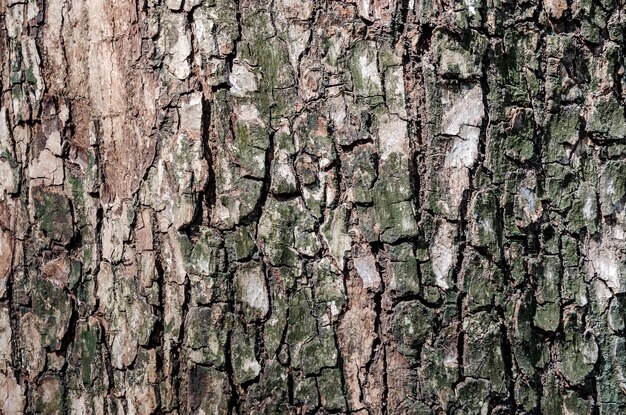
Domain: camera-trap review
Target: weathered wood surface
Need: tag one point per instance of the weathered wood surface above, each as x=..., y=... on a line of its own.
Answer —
x=299, y=206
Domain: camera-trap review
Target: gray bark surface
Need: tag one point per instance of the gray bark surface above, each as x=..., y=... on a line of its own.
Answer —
x=301, y=206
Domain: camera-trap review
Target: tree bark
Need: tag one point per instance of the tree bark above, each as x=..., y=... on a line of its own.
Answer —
x=299, y=206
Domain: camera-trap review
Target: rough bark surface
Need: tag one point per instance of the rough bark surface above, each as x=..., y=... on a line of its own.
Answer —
x=299, y=206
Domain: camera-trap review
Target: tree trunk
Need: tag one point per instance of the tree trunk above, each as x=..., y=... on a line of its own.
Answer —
x=299, y=206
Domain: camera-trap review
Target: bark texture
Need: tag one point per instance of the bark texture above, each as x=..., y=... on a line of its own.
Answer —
x=301, y=206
